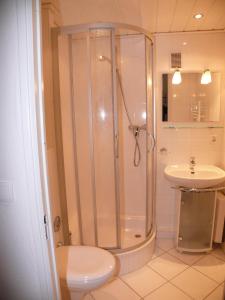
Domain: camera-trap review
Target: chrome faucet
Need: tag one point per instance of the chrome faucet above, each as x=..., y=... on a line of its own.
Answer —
x=192, y=164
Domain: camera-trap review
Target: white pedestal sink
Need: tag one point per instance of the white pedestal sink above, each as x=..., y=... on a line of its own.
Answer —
x=203, y=177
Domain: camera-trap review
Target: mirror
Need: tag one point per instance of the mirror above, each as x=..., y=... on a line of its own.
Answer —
x=191, y=101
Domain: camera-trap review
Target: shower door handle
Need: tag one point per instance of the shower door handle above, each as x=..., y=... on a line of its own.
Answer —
x=150, y=149
x=117, y=145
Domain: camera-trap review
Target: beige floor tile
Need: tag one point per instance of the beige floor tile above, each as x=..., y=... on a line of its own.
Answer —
x=187, y=258
x=143, y=281
x=212, y=267
x=165, y=244
x=219, y=253
x=115, y=290
x=157, y=252
x=194, y=284
x=217, y=294
x=167, y=292
x=167, y=265
x=89, y=297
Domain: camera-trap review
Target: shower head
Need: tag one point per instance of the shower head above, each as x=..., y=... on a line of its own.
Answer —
x=104, y=58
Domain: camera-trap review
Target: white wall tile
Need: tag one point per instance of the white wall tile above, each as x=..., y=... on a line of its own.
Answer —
x=185, y=142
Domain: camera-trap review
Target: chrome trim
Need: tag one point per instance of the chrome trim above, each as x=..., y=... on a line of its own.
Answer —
x=75, y=142
x=152, y=142
x=117, y=145
x=146, y=137
x=102, y=25
x=213, y=221
x=116, y=136
x=154, y=117
x=198, y=190
x=91, y=139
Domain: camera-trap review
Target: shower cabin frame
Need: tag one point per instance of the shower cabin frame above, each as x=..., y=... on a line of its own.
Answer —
x=150, y=136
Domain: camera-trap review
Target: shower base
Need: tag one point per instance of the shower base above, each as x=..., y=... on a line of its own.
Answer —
x=136, y=258
x=136, y=250
x=133, y=231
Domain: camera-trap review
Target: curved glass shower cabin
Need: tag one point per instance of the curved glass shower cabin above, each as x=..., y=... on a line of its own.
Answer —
x=105, y=79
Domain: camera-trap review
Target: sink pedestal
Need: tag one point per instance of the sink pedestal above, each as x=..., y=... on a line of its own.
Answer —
x=195, y=220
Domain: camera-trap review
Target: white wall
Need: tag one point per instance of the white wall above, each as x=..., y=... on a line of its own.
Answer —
x=203, y=50
x=25, y=271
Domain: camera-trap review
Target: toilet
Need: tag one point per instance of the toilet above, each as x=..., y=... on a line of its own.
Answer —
x=82, y=269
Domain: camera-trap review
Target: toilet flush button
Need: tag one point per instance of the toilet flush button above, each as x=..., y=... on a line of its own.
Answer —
x=6, y=192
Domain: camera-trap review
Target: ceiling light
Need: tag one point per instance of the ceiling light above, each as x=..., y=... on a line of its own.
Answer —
x=206, y=77
x=198, y=16
x=176, y=77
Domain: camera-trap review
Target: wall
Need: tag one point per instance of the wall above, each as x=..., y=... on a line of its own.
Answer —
x=25, y=260
x=199, y=51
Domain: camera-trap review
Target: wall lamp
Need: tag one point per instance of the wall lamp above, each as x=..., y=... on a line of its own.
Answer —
x=176, y=64
x=206, y=77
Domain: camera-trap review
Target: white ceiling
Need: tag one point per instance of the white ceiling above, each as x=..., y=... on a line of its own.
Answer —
x=153, y=15
x=177, y=15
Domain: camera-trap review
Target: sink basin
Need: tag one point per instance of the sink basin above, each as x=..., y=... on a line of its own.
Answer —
x=204, y=176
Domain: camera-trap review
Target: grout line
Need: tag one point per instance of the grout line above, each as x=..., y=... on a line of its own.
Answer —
x=155, y=289
x=173, y=276
x=129, y=287
x=218, y=283
x=189, y=296
x=201, y=256
x=152, y=290
x=158, y=273
x=214, y=291
x=164, y=249
x=223, y=259
x=189, y=266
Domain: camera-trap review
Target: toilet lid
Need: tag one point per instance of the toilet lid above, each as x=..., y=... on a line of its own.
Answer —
x=79, y=265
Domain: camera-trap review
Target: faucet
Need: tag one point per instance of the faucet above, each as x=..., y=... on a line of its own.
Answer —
x=192, y=164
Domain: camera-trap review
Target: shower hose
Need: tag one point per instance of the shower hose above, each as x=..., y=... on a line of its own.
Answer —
x=135, y=129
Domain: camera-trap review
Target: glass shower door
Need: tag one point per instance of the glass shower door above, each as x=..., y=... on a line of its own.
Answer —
x=101, y=104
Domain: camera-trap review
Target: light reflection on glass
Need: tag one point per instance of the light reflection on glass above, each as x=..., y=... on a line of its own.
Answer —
x=143, y=115
x=102, y=114
x=149, y=81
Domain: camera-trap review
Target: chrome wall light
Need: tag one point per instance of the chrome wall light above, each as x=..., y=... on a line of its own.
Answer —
x=176, y=64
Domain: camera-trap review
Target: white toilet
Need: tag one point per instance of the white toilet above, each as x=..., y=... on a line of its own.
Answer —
x=82, y=269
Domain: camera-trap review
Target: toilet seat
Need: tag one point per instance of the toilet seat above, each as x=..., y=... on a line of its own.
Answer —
x=84, y=267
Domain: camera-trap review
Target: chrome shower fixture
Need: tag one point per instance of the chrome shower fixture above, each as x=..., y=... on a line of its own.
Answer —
x=135, y=128
x=104, y=58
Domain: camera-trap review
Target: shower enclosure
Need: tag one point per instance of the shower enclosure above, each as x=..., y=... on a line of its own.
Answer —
x=107, y=115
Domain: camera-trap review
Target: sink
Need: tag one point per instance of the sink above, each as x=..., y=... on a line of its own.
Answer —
x=204, y=176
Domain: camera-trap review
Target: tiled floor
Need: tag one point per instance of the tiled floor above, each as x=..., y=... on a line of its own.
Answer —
x=170, y=275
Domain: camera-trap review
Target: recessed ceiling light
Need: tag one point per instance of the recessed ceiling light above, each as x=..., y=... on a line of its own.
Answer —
x=198, y=16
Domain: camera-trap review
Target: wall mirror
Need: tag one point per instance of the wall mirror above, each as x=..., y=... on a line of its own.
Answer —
x=191, y=101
